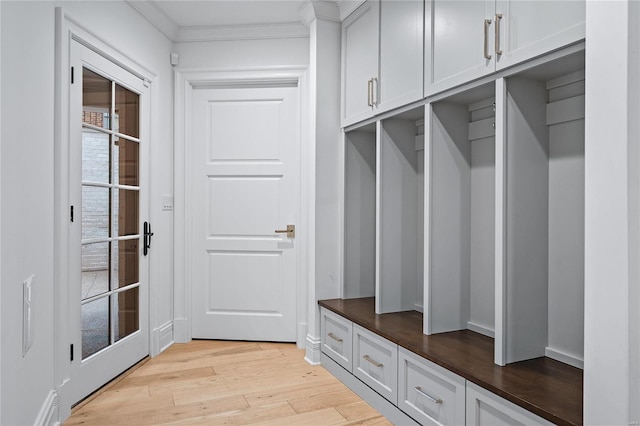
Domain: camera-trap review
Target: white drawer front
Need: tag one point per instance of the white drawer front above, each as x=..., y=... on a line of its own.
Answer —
x=429, y=393
x=375, y=362
x=485, y=408
x=336, y=337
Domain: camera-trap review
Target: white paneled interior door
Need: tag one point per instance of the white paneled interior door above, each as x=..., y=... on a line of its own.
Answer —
x=245, y=186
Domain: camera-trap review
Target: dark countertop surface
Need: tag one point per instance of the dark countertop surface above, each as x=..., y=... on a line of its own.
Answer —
x=548, y=388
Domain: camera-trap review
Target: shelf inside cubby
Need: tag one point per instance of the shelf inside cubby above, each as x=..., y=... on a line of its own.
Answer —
x=548, y=388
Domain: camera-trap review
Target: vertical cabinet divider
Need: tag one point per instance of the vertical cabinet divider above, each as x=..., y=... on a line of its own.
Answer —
x=500, y=231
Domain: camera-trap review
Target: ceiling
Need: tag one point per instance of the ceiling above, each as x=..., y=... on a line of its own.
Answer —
x=202, y=20
x=188, y=13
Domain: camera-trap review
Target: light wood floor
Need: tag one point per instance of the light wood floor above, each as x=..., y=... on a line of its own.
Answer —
x=217, y=382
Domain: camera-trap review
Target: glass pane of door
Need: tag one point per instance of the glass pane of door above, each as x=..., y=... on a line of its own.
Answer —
x=110, y=213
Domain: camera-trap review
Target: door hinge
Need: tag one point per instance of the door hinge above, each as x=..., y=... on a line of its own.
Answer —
x=72, y=75
x=71, y=214
x=71, y=352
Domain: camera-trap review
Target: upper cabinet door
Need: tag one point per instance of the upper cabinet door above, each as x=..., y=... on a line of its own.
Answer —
x=360, y=35
x=401, y=53
x=459, y=39
x=531, y=28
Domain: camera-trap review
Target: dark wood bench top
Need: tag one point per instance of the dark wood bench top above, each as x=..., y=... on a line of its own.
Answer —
x=548, y=388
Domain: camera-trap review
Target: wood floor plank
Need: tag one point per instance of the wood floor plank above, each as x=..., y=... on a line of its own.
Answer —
x=272, y=413
x=167, y=378
x=286, y=393
x=218, y=382
x=323, y=400
x=92, y=411
x=326, y=417
x=359, y=410
x=210, y=407
x=126, y=395
x=215, y=360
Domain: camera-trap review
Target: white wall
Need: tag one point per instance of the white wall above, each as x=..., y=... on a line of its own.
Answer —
x=27, y=171
x=243, y=54
x=612, y=216
x=27, y=186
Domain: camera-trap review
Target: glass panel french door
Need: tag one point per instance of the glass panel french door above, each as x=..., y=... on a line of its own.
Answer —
x=107, y=154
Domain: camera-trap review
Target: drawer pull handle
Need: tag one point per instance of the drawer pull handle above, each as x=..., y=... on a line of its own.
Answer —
x=334, y=337
x=426, y=395
x=372, y=361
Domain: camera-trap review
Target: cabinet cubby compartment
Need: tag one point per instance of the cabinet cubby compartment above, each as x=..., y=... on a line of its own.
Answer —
x=460, y=158
x=383, y=219
x=540, y=273
x=400, y=213
x=359, y=258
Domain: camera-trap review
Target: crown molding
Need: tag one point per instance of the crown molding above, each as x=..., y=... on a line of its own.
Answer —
x=156, y=17
x=319, y=9
x=346, y=7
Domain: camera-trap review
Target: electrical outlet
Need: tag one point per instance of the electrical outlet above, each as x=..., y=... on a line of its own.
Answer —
x=167, y=203
x=27, y=314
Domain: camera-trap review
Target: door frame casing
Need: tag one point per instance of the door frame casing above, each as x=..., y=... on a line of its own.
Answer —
x=68, y=31
x=185, y=81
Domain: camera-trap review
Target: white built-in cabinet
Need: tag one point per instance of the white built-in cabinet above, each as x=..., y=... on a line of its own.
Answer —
x=468, y=39
x=470, y=205
x=382, y=58
x=471, y=209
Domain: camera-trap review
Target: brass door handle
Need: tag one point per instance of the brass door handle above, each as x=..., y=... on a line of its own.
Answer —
x=290, y=231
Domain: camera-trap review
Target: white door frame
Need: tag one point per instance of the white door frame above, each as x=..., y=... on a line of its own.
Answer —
x=185, y=82
x=68, y=30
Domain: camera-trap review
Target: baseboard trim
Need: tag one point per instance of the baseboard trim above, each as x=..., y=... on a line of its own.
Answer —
x=301, y=337
x=181, y=330
x=564, y=357
x=48, y=414
x=482, y=329
x=161, y=338
x=312, y=347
